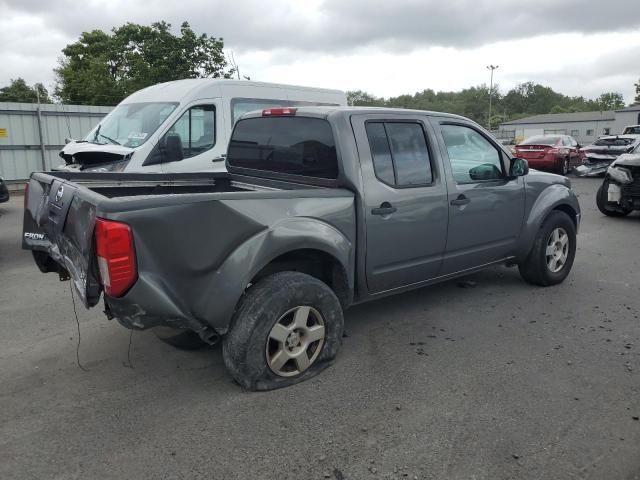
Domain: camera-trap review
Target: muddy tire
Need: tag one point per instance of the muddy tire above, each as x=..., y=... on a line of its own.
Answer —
x=601, y=202
x=554, y=249
x=287, y=328
x=180, y=338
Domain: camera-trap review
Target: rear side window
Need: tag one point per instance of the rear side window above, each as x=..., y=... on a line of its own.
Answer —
x=286, y=145
x=400, y=154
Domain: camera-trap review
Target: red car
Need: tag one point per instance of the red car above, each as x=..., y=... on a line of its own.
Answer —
x=555, y=153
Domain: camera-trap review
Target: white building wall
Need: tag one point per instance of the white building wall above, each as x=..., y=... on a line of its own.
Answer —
x=626, y=118
x=583, y=132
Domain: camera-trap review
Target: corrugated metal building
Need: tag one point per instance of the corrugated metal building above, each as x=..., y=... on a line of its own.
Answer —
x=625, y=117
x=585, y=127
x=20, y=148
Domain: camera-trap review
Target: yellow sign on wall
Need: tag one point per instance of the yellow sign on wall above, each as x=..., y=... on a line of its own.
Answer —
x=4, y=133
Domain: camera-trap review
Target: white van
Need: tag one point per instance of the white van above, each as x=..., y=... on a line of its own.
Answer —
x=181, y=126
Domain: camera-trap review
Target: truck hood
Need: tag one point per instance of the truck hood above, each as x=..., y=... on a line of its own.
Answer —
x=549, y=178
x=86, y=153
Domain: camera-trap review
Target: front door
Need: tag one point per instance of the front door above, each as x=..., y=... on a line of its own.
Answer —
x=486, y=208
x=405, y=207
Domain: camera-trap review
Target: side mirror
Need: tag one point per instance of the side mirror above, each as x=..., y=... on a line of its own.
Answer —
x=518, y=168
x=172, y=148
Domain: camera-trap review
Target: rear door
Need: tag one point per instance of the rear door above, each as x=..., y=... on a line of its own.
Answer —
x=486, y=209
x=405, y=200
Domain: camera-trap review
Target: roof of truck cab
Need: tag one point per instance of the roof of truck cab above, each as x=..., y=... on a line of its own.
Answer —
x=194, y=87
x=325, y=111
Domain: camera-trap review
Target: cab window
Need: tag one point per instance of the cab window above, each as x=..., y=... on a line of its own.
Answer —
x=473, y=158
x=400, y=153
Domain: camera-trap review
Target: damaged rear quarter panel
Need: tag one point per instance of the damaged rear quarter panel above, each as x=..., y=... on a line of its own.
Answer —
x=196, y=259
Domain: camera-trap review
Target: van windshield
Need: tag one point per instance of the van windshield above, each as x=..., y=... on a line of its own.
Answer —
x=131, y=124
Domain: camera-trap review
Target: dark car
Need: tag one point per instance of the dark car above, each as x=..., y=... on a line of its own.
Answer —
x=604, y=151
x=619, y=194
x=4, y=191
x=555, y=153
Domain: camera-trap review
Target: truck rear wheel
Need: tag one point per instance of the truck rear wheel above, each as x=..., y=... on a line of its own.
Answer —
x=554, y=249
x=288, y=328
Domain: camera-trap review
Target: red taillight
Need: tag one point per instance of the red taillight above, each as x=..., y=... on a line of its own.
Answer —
x=116, y=256
x=279, y=112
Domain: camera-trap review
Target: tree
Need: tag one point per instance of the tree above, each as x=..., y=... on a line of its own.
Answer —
x=19, y=91
x=103, y=68
x=364, y=99
x=636, y=101
x=611, y=101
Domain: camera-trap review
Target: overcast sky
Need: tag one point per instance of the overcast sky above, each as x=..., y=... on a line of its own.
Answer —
x=578, y=47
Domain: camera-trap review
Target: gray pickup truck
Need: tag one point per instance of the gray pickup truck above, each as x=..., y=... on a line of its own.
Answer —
x=322, y=208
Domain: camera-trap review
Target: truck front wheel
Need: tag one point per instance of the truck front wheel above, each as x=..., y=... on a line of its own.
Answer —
x=554, y=249
x=287, y=328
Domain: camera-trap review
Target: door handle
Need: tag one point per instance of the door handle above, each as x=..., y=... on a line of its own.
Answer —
x=385, y=208
x=461, y=200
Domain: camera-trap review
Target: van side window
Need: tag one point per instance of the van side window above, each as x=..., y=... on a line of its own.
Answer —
x=473, y=158
x=196, y=129
x=240, y=106
x=400, y=153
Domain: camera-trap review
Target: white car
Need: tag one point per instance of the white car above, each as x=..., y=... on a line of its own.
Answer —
x=181, y=126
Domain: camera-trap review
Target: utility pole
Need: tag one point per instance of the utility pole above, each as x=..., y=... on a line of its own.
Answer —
x=492, y=68
x=39, y=117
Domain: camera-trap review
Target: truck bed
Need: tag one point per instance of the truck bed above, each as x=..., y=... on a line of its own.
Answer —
x=185, y=227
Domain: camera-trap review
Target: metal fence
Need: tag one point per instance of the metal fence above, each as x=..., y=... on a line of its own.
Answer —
x=31, y=137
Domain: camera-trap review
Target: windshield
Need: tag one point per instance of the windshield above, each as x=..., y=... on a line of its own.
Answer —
x=541, y=140
x=131, y=124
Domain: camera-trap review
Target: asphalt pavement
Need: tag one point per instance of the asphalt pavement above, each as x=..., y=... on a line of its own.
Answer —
x=495, y=380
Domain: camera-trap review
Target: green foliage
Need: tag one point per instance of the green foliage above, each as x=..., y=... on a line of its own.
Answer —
x=636, y=100
x=524, y=100
x=19, y=91
x=103, y=68
x=611, y=101
x=363, y=99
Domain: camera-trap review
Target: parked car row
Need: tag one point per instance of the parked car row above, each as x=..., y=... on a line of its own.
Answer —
x=563, y=154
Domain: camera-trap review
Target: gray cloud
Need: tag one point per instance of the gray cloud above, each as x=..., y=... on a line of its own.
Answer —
x=340, y=26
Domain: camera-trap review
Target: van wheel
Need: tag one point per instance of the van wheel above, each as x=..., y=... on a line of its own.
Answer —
x=287, y=328
x=180, y=338
x=601, y=202
x=554, y=249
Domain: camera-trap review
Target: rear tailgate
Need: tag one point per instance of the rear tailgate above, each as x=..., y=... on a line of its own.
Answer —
x=59, y=221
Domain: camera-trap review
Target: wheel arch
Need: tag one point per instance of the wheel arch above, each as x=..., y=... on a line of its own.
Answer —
x=553, y=198
x=303, y=244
